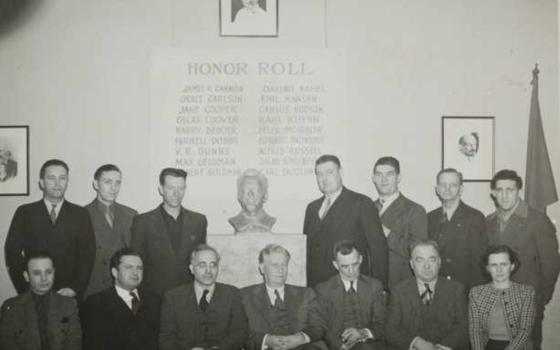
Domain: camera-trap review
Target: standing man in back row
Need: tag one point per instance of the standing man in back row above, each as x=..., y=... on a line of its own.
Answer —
x=56, y=226
x=341, y=214
x=111, y=224
x=404, y=221
x=531, y=235
x=165, y=236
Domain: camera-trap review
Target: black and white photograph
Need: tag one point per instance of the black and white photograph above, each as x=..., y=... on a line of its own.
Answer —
x=468, y=146
x=254, y=18
x=14, y=160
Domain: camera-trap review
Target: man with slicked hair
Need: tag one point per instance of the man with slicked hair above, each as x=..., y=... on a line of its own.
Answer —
x=165, y=236
x=111, y=224
x=531, y=234
x=403, y=219
x=341, y=214
x=56, y=226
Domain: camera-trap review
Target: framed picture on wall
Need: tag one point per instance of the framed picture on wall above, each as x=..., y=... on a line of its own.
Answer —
x=14, y=160
x=468, y=145
x=252, y=18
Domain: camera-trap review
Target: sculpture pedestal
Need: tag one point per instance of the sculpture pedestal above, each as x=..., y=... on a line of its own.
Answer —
x=239, y=264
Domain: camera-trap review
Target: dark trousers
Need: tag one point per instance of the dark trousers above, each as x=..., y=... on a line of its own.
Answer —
x=496, y=345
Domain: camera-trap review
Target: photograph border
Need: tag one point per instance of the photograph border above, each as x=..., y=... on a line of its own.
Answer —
x=25, y=129
x=226, y=35
x=490, y=119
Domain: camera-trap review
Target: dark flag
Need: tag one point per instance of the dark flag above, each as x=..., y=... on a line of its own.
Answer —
x=540, y=190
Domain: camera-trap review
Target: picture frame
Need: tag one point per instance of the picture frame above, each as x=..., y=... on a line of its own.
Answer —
x=14, y=160
x=467, y=144
x=249, y=18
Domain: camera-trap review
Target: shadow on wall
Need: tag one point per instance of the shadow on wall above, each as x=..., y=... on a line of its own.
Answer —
x=14, y=13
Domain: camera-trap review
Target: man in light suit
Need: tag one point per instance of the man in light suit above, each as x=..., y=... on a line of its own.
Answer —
x=111, y=224
x=203, y=314
x=403, y=220
x=277, y=312
x=341, y=214
x=39, y=318
x=459, y=230
x=350, y=308
x=165, y=236
x=122, y=317
x=531, y=235
x=427, y=312
x=56, y=226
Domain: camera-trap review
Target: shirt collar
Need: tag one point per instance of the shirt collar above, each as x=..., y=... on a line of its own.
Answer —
x=346, y=285
x=124, y=294
x=103, y=207
x=272, y=295
x=199, y=290
x=521, y=209
x=422, y=287
x=56, y=208
x=333, y=196
x=449, y=212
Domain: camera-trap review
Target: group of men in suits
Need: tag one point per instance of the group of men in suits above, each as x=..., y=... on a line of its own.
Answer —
x=82, y=241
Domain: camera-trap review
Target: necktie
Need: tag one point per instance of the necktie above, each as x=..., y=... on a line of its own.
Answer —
x=109, y=215
x=278, y=303
x=203, y=303
x=326, y=210
x=135, y=303
x=351, y=290
x=53, y=213
x=426, y=296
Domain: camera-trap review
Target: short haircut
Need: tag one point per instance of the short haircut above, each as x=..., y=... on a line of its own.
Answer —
x=253, y=174
x=52, y=162
x=328, y=158
x=39, y=254
x=203, y=248
x=392, y=161
x=497, y=249
x=423, y=243
x=273, y=248
x=345, y=247
x=450, y=171
x=118, y=255
x=175, y=172
x=105, y=168
x=506, y=174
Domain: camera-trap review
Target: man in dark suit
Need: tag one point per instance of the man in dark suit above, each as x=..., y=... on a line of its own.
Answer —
x=56, y=226
x=111, y=224
x=122, y=317
x=277, y=312
x=531, y=234
x=165, y=236
x=427, y=312
x=350, y=308
x=39, y=318
x=203, y=314
x=403, y=220
x=459, y=230
x=341, y=214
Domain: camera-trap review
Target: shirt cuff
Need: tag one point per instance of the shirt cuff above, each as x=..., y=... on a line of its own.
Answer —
x=369, y=334
x=263, y=344
x=306, y=337
x=411, y=346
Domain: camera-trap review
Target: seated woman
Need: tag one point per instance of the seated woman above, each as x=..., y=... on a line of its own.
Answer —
x=502, y=312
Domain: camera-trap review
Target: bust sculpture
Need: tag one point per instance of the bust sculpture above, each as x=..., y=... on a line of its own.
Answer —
x=252, y=193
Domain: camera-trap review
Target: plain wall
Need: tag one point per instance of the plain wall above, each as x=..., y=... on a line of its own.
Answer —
x=78, y=71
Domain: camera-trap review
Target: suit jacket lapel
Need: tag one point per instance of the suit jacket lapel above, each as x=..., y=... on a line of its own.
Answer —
x=333, y=210
x=31, y=317
x=263, y=302
x=394, y=212
x=161, y=228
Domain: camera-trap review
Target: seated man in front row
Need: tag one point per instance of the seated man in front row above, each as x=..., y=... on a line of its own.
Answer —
x=350, y=308
x=40, y=318
x=121, y=317
x=203, y=314
x=277, y=312
x=427, y=312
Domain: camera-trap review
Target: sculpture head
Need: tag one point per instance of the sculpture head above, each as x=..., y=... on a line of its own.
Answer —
x=252, y=190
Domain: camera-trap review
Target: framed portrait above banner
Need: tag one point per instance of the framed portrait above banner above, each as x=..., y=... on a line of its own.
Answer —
x=253, y=18
x=14, y=160
x=468, y=145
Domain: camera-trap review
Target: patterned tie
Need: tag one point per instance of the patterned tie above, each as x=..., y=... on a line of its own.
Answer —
x=135, y=303
x=109, y=216
x=53, y=213
x=326, y=210
x=278, y=302
x=426, y=296
x=203, y=303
